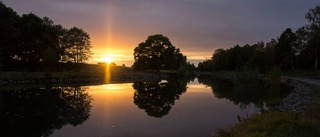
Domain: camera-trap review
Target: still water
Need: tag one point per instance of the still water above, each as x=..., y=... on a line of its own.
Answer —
x=166, y=108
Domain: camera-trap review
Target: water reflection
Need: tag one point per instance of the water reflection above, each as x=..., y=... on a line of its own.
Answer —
x=157, y=97
x=224, y=88
x=35, y=112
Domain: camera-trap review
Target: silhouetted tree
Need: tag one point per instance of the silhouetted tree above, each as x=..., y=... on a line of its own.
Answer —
x=206, y=65
x=157, y=53
x=32, y=42
x=258, y=60
x=77, y=44
x=286, y=50
x=231, y=59
x=9, y=26
x=191, y=66
x=218, y=59
x=313, y=17
x=305, y=60
x=25, y=39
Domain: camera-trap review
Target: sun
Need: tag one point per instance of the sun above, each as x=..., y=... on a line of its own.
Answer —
x=107, y=59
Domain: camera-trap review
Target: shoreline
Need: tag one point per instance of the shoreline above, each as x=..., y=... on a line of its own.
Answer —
x=297, y=100
x=117, y=78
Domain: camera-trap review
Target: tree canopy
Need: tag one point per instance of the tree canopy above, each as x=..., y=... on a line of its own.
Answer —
x=313, y=17
x=25, y=41
x=156, y=53
x=77, y=45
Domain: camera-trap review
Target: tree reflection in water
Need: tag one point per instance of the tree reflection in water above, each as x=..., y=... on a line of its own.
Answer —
x=157, y=97
x=36, y=112
x=224, y=88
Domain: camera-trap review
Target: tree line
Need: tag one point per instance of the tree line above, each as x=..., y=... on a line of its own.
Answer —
x=29, y=42
x=291, y=50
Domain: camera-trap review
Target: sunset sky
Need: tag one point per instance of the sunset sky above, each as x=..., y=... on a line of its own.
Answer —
x=197, y=27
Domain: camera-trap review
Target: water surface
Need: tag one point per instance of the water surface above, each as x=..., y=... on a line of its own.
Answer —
x=168, y=108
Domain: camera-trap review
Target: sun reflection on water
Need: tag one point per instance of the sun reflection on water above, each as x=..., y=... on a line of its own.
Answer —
x=108, y=73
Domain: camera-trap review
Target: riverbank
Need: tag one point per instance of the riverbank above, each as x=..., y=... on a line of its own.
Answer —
x=297, y=115
x=90, y=74
x=298, y=99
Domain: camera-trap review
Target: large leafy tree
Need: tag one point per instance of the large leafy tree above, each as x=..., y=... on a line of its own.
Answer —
x=157, y=53
x=32, y=39
x=36, y=36
x=313, y=17
x=77, y=44
x=53, y=38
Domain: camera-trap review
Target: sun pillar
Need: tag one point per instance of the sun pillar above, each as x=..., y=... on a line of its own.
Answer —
x=108, y=74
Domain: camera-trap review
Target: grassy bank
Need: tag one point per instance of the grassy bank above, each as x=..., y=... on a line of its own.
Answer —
x=274, y=124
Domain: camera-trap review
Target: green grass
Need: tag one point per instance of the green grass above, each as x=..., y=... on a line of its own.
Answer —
x=273, y=124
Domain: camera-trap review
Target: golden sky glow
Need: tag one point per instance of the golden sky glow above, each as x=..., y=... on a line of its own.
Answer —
x=197, y=27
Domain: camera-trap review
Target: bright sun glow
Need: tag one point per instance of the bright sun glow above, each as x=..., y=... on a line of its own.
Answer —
x=108, y=59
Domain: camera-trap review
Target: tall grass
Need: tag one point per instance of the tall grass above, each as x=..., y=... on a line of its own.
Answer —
x=277, y=90
x=274, y=75
x=272, y=124
x=245, y=80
